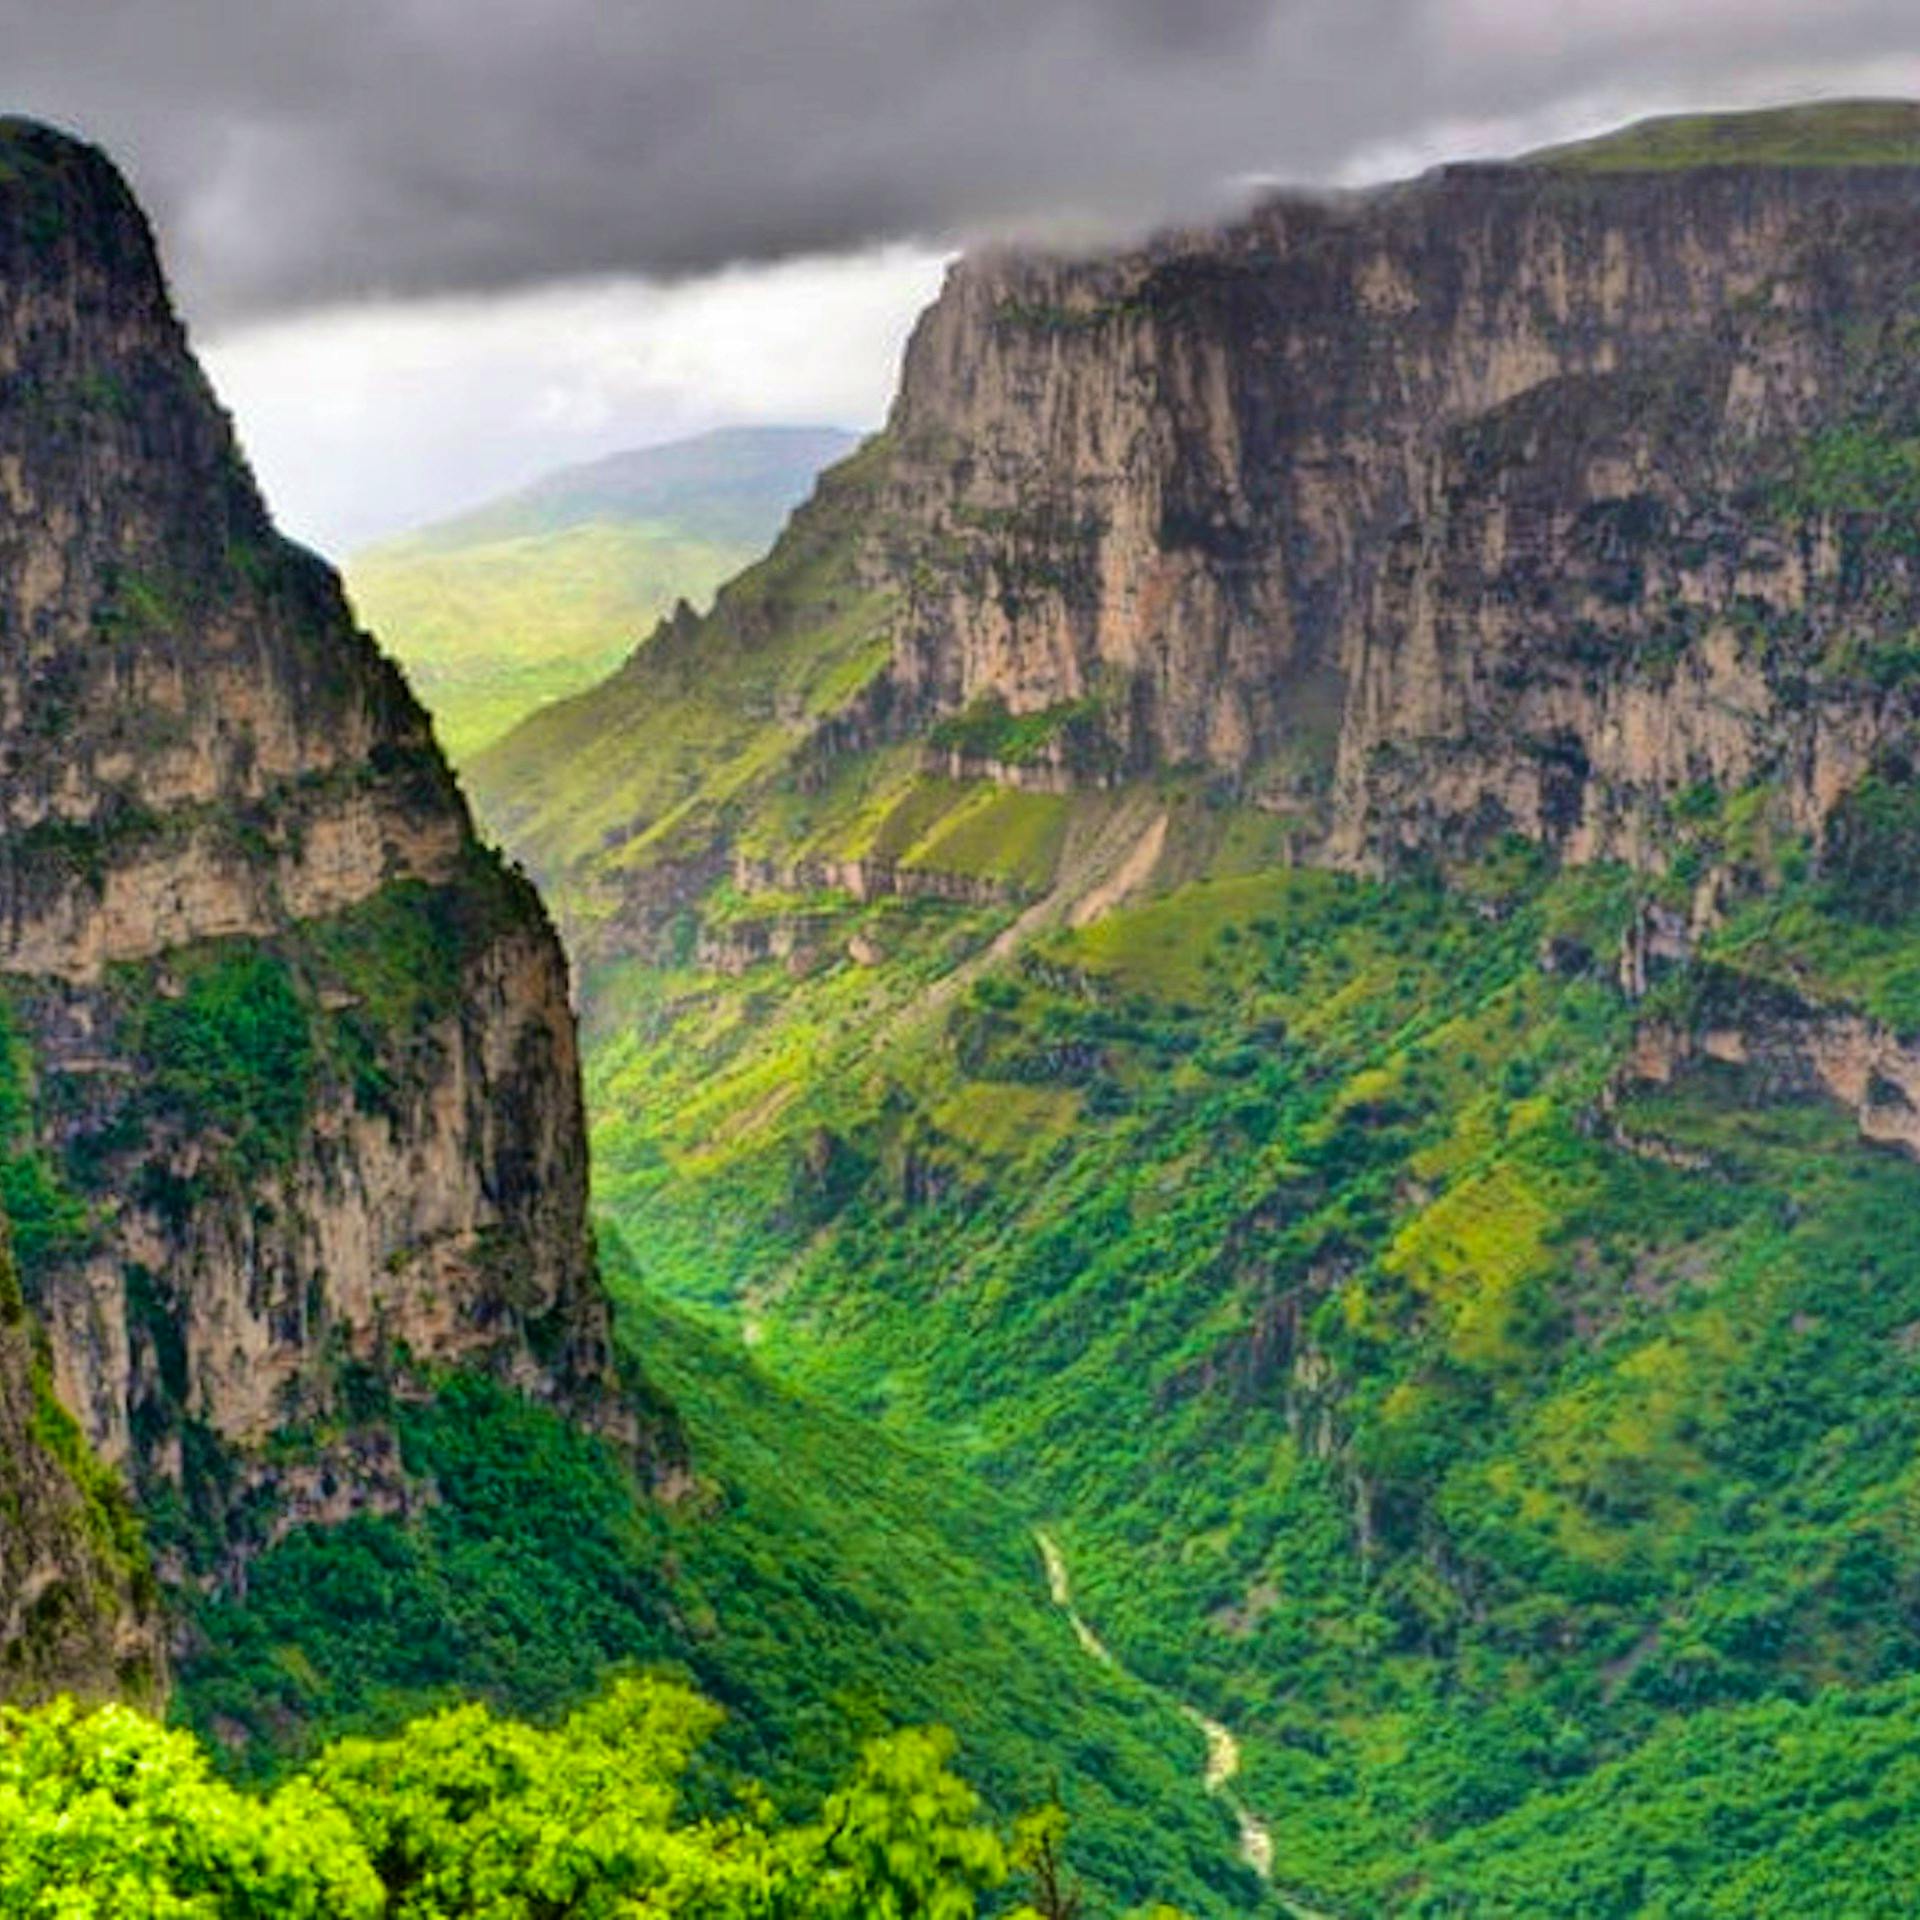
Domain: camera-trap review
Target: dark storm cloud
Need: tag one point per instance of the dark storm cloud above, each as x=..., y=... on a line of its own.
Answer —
x=300, y=151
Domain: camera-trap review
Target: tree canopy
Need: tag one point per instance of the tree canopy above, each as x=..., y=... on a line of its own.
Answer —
x=464, y=1815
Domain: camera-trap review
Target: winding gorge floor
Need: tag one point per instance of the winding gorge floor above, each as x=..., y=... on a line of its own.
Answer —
x=1223, y=1750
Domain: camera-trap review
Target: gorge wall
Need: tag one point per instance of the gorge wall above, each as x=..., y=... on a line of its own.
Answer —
x=78, y=1608
x=295, y=1057
x=1375, y=503
x=1569, y=499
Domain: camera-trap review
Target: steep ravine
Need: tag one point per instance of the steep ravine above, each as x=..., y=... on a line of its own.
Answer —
x=1433, y=1237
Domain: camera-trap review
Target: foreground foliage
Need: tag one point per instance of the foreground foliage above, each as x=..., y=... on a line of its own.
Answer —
x=818, y=1581
x=109, y=1817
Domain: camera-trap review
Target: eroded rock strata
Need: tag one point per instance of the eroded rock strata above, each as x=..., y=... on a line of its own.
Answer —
x=1536, y=500
x=1479, y=491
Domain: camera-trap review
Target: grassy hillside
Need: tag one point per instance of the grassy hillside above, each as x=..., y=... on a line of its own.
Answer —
x=1469, y=1427
x=1842, y=133
x=489, y=632
x=541, y=594
x=658, y=755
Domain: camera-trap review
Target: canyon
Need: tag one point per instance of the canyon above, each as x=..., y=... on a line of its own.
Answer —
x=1277, y=932
x=1283, y=918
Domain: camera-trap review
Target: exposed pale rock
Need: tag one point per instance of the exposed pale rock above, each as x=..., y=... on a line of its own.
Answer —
x=1350, y=490
x=78, y=1613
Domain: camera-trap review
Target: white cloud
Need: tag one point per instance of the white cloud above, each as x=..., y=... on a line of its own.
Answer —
x=364, y=420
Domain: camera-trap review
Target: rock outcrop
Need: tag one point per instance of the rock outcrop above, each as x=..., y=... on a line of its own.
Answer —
x=1518, y=498
x=1546, y=500
x=301, y=1052
x=78, y=1610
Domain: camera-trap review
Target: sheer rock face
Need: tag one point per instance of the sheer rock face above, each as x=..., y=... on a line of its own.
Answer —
x=77, y=1610
x=303, y=1051
x=1340, y=500
x=1690, y=576
x=1797, y=1051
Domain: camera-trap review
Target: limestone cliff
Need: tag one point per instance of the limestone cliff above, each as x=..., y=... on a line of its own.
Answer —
x=1520, y=500
x=1694, y=574
x=1302, y=491
x=1418, y=515
x=302, y=1060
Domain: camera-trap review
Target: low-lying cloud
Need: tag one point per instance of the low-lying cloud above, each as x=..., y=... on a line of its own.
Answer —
x=305, y=152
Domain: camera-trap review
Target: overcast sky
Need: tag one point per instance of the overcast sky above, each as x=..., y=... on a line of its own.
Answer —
x=432, y=246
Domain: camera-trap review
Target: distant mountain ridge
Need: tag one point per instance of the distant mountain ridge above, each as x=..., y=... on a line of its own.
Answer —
x=1839, y=133
x=537, y=594
x=734, y=483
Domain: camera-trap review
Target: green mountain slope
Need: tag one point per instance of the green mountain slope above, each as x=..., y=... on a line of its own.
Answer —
x=1469, y=1422
x=540, y=594
x=1442, y=1407
x=702, y=711
x=1845, y=133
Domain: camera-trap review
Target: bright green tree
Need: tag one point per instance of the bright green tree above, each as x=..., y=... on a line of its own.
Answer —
x=106, y=1816
x=467, y=1815
x=464, y=1816
x=902, y=1841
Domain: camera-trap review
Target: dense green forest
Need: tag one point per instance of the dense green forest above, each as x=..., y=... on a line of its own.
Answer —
x=820, y=1582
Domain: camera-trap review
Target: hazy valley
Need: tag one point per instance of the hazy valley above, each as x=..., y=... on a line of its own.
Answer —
x=542, y=593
